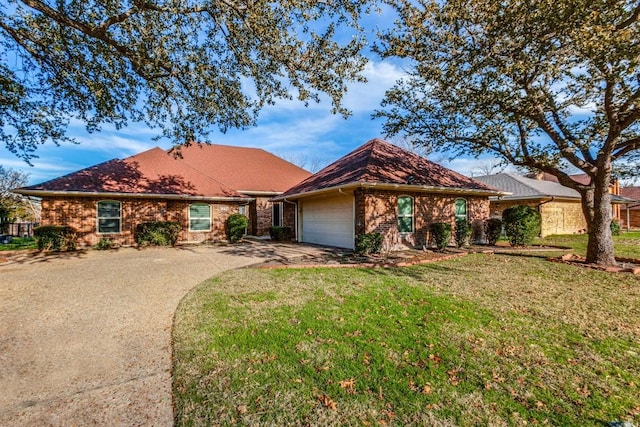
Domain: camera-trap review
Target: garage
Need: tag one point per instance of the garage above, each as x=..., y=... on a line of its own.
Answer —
x=328, y=221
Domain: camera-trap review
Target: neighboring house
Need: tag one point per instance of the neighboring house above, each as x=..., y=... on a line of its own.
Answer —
x=631, y=215
x=199, y=189
x=382, y=188
x=583, y=178
x=559, y=206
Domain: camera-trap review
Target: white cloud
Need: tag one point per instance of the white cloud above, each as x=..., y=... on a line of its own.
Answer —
x=116, y=145
x=367, y=96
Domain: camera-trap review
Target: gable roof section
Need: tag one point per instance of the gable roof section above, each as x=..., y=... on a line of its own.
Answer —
x=521, y=187
x=247, y=170
x=150, y=173
x=381, y=164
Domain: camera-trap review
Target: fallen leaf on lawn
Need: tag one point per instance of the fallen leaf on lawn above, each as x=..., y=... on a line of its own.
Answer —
x=427, y=389
x=366, y=360
x=328, y=402
x=389, y=414
x=435, y=358
x=453, y=376
x=349, y=385
x=584, y=391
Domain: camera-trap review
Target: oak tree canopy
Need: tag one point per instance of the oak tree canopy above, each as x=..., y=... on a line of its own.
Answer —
x=543, y=84
x=182, y=66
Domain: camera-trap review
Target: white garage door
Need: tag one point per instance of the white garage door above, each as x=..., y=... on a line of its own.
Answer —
x=328, y=221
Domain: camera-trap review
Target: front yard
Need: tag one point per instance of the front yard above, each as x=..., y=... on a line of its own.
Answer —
x=627, y=244
x=478, y=340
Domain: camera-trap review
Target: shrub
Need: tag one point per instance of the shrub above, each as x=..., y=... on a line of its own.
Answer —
x=462, y=232
x=492, y=230
x=157, y=233
x=615, y=227
x=441, y=232
x=236, y=226
x=104, y=244
x=280, y=234
x=521, y=224
x=370, y=243
x=56, y=238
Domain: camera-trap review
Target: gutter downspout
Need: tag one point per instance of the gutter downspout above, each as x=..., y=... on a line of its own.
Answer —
x=544, y=203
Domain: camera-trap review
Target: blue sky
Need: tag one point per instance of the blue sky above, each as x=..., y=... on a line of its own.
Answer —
x=309, y=136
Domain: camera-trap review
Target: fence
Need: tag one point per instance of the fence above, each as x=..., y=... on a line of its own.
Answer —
x=18, y=229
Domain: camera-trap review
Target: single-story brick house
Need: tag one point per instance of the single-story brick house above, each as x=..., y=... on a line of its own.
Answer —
x=631, y=214
x=382, y=188
x=200, y=188
x=559, y=206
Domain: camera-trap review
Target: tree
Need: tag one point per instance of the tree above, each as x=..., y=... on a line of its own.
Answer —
x=12, y=205
x=182, y=66
x=543, y=84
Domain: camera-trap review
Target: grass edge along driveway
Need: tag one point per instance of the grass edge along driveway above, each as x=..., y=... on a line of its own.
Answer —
x=483, y=339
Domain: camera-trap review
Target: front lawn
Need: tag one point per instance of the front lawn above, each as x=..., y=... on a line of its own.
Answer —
x=478, y=340
x=627, y=244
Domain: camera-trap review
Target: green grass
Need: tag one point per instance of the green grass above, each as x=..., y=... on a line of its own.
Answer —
x=19, y=243
x=626, y=245
x=479, y=340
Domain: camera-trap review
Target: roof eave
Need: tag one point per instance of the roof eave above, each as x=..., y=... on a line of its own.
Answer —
x=536, y=197
x=396, y=187
x=259, y=193
x=45, y=193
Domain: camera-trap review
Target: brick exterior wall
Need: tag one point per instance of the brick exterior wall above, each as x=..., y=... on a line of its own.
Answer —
x=557, y=217
x=634, y=218
x=262, y=216
x=376, y=212
x=81, y=214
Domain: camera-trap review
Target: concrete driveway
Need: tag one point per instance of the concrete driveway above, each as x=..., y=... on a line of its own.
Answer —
x=85, y=337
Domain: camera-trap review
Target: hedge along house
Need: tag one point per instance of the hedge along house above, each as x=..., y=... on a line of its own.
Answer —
x=198, y=189
x=559, y=206
x=381, y=188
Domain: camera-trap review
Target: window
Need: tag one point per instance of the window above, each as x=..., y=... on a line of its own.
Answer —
x=461, y=209
x=109, y=217
x=405, y=214
x=277, y=214
x=199, y=217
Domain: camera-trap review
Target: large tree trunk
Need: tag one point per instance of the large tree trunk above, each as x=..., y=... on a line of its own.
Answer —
x=596, y=206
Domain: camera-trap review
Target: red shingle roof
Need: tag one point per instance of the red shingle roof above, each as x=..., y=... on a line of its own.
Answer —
x=379, y=162
x=207, y=171
x=244, y=169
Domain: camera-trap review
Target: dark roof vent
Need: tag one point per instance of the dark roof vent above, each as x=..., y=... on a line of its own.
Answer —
x=410, y=179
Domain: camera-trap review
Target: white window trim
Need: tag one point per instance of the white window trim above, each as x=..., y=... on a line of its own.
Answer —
x=98, y=217
x=210, y=221
x=466, y=208
x=412, y=216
